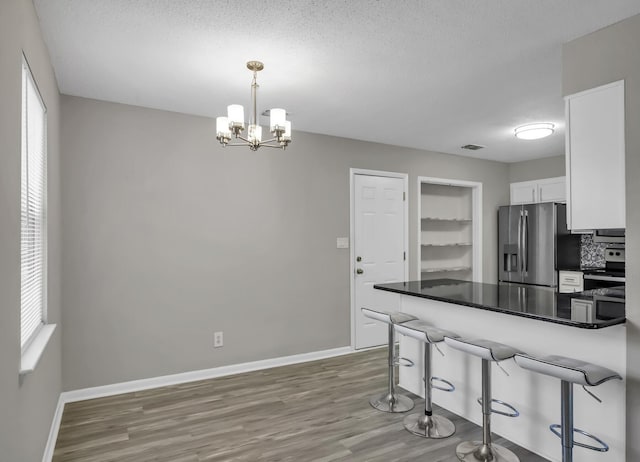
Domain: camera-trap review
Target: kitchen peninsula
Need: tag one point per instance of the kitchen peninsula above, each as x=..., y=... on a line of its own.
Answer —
x=539, y=324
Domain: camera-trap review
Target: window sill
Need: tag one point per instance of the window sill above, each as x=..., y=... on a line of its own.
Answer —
x=33, y=353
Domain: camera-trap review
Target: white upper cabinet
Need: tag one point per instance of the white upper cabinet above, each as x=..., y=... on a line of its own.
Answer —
x=532, y=192
x=596, y=158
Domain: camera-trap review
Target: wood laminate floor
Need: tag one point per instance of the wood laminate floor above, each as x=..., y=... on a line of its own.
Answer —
x=316, y=411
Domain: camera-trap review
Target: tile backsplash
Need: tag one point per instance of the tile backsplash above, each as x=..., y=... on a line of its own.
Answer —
x=591, y=253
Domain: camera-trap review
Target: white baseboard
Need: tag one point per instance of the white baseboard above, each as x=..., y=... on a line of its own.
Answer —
x=174, y=379
x=53, y=431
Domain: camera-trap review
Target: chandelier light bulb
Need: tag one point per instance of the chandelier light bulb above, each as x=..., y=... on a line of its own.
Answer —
x=222, y=128
x=278, y=117
x=235, y=113
x=255, y=134
x=286, y=136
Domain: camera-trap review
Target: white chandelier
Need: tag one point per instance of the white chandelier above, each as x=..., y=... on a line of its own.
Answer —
x=234, y=122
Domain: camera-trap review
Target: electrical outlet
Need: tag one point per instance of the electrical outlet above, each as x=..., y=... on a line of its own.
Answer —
x=218, y=340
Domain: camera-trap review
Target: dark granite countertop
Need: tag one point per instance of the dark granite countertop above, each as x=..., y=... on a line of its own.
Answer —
x=533, y=302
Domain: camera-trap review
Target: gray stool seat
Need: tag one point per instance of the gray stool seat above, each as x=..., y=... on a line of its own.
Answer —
x=426, y=424
x=485, y=349
x=388, y=317
x=390, y=401
x=488, y=351
x=423, y=331
x=569, y=371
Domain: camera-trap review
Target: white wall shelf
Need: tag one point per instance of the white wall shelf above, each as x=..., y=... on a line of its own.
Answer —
x=450, y=229
x=447, y=244
x=462, y=220
x=447, y=270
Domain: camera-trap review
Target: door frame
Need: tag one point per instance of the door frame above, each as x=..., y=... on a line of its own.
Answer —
x=476, y=205
x=352, y=173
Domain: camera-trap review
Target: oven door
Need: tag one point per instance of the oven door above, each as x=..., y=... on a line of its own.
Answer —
x=595, y=281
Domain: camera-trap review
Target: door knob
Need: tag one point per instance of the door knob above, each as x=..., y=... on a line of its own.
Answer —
x=358, y=258
x=359, y=271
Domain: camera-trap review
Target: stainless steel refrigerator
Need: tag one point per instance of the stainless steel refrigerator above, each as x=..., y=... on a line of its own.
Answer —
x=533, y=242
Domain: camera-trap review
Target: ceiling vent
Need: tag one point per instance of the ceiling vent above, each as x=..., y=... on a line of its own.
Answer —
x=472, y=147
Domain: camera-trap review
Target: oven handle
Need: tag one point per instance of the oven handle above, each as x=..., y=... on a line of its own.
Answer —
x=594, y=277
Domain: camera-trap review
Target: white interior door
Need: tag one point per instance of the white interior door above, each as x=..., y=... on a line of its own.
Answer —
x=379, y=251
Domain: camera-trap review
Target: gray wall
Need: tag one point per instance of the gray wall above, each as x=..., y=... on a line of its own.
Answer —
x=537, y=169
x=168, y=237
x=27, y=408
x=605, y=56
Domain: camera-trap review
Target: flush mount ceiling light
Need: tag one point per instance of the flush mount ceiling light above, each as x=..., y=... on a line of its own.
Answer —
x=534, y=131
x=234, y=122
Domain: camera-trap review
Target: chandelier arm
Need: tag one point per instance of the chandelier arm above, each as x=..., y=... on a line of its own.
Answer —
x=271, y=146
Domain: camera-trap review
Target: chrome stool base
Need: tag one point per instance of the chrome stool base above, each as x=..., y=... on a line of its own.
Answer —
x=433, y=426
x=474, y=451
x=391, y=403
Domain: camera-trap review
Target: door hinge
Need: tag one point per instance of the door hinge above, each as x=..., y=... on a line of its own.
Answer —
x=404, y=256
x=404, y=196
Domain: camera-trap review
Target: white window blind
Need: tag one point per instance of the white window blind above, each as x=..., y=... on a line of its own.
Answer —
x=33, y=240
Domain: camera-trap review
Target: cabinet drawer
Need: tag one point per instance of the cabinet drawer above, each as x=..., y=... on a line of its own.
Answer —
x=570, y=281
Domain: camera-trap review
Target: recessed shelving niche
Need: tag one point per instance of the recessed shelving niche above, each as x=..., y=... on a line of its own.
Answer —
x=450, y=229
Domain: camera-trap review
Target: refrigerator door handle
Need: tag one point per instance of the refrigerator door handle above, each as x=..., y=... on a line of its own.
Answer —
x=525, y=242
x=520, y=243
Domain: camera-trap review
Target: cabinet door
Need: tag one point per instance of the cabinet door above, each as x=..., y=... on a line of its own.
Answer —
x=552, y=190
x=525, y=192
x=595, y=158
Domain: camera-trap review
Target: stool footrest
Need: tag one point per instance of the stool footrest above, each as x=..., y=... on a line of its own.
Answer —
x=449, y=389
x=604, y=447
x=515, y=412
x=404, y=362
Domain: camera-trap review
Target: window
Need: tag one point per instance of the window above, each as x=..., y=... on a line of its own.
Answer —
x=33, y=236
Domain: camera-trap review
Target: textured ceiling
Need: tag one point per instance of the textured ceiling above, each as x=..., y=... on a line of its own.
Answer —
x=428, y=74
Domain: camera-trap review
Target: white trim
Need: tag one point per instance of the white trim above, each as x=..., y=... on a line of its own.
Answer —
x=477, y=232
x=203, y=374
x=567, y=158
x=476, y=198
x=32, y=354
x=175, y=379
x=606, y=86
x=53, y=431
x=352, y=258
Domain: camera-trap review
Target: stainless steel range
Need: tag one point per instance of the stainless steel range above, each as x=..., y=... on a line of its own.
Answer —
x=612, y=275
x=604, y=289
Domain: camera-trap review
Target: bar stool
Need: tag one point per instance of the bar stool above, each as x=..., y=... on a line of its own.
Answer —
x=489, y=351
x=427, y=424
x=569, y=371
x=390, y=401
